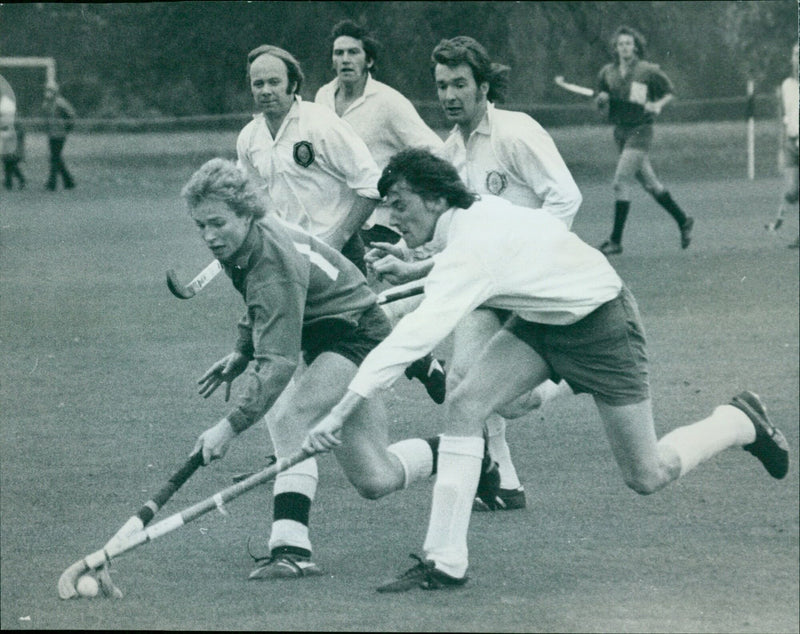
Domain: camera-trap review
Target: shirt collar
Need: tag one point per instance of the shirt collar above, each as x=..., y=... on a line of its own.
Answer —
x=370, y=88
x=294, y=113
x=484, y=126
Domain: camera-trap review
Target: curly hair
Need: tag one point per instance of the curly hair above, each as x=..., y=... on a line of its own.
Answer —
x=463, y=49
x=428, y=176
x=639, y=41
x=222, y=180
x=358, y=32
x=294, y=71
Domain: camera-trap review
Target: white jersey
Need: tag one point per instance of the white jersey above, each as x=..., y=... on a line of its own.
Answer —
x=789, y=101
x=314, y=168
x=383, y=118
x=510, y=155
x=496, y=255
x=386, y=121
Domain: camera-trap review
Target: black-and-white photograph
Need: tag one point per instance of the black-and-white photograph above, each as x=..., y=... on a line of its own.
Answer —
x=400, y=316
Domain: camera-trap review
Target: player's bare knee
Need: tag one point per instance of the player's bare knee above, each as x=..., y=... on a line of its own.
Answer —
x=469, y=406
x=374, y=488
x=645, y=482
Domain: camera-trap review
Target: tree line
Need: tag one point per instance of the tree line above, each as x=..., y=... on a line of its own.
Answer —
x=188, y=58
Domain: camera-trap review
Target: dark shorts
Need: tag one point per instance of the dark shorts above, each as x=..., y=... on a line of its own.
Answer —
x=638, y=137
x=604, y=354
x=345, y=339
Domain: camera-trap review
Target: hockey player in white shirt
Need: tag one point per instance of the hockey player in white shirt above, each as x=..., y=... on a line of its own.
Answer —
x=572, y=318
x=388, y=123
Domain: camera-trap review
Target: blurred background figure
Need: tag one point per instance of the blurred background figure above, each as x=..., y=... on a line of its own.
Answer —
x=12, y=142
x=789, y=104
x=60, y=119
x=635, y=91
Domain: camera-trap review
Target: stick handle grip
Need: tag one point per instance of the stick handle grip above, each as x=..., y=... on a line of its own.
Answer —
x=176, y=481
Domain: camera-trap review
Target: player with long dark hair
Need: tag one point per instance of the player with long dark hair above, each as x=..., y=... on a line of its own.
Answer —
x=635, y=91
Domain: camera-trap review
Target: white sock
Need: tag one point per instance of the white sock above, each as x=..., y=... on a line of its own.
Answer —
x=415, y=456
x=301, y=478
x=500, y=453
x=458, y=472
x=289, y=533
x=727, y=427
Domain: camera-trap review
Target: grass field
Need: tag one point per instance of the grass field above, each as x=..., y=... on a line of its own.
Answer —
x=99, y=406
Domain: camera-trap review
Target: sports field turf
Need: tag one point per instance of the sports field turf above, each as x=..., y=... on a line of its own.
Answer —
x=99, y=405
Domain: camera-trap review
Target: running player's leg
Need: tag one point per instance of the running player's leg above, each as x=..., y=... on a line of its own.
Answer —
x=648, y=179
x=624, y=177
x=504, y=370
x=469, y=338
x=308, y=395
x=648, y=464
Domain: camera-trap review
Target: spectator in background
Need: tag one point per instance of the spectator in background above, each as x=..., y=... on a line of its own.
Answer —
x=12, y=144
x=788, y=95
x=60, y=119
x=635, y=91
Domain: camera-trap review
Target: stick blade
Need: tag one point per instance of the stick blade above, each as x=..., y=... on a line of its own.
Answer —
x=176, y=288
x=68, y=579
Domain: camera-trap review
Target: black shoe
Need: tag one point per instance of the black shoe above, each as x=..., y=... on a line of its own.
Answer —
x=422, y=575
x=609, y=247
x=686, y=232
x=506, y=500
x=70, y=185
x=770, y=446
x=430, y=371
x=489, y=483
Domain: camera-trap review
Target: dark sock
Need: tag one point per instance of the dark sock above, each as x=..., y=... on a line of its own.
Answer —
x=434, y=443
x=665, y=200
x=292, y=506
x=621, y=209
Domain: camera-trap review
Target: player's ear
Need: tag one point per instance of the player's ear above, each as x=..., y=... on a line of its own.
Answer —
x=484, y=88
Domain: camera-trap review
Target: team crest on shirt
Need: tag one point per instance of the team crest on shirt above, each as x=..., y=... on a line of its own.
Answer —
x=303, y=153
x=496, y=182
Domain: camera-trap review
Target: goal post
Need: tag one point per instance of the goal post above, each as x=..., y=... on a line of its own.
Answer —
x=26, y=77
x=48, y=63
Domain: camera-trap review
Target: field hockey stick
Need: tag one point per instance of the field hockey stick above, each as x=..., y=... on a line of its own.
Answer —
x=401, y=292
x=119, y=544
x=136, y=523
x=578, y=90
x=187, y=291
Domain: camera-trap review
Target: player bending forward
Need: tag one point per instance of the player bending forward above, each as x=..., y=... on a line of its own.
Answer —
x=573, y=319
x=302, y=296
